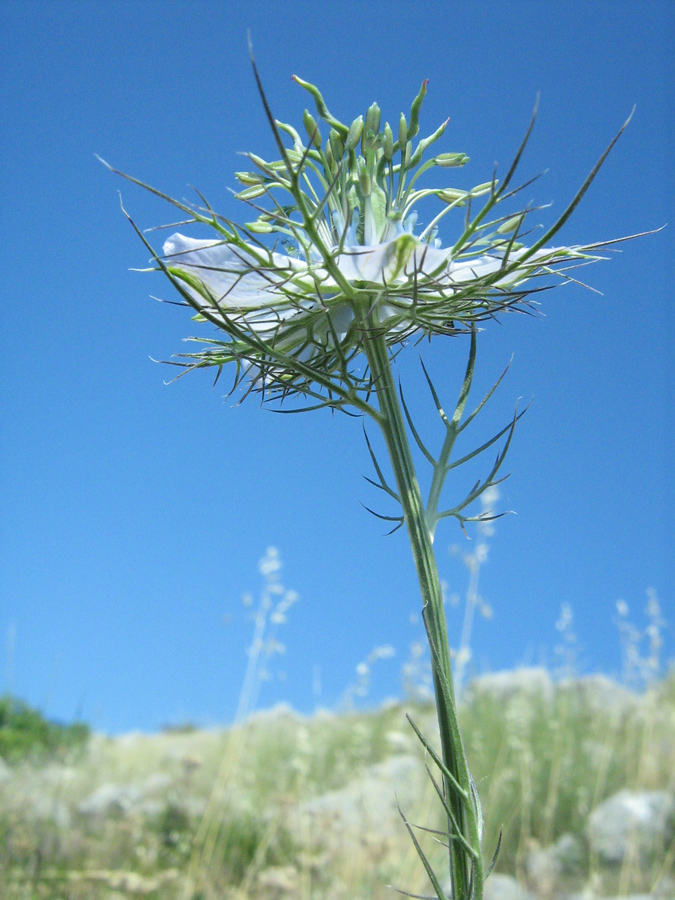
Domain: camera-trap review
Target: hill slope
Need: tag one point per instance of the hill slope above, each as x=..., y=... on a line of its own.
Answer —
x=579, y=774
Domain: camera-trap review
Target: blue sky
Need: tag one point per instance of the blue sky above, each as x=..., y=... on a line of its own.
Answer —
x=134, y=513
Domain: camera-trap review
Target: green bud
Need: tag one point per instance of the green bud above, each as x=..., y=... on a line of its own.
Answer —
x=373, y=119
x=248, y=177
x=388, y=145
x=402, y=132
x=258, y=161
x=298, y=143
x=481, y=189
x=336, y=145
x=355, y=132
x=312, y=128
x=321, y=107
x=426, y=142
x=329, y=155
x=450, y=160
x=364, y=181
x=509, y=226
x=415, y=110
x=451, y=195
x=259, y=227
x=251, y=193
x=267, y=168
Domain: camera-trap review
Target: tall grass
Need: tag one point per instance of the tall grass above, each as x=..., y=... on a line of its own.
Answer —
x=544, y=758
x=283, y=806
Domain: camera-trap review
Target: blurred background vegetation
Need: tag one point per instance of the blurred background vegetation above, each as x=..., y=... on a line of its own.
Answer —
x=286, y=806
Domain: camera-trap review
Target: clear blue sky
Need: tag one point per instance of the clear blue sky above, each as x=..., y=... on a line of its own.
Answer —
x=134, y=513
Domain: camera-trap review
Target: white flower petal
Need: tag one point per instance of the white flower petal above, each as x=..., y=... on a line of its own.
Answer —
x=233, y=276
x=482, y=266
x=393, y=261
x=385, y=264
x=240, y=285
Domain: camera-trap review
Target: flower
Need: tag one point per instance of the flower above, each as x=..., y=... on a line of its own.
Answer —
x=282, y=297
x=235, y=281
x=346, y=260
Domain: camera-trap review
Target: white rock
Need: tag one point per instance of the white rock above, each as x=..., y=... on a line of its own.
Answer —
x=504, y=887
x=110, y=800
x=43, y=808
x=369, y=803
x=631, y=822
x=549, y=868
x=279, y=879
x=154, y=784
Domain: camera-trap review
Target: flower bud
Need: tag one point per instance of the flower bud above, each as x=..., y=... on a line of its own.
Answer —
x=312, y=128
x=251, y=193
x=415, y=110
x=364, y=181
x=355, y=132
x=336, y=145
x=258, y=161
x=450, y=160
x=321, y=107
x=259, y=227
x=373, y=119
x=509, y=226
x=388, y=144
x=248, y=177
x=452, y=195
x=402, y=132
x=267, y=168
x=329, y=155
x=481, y=189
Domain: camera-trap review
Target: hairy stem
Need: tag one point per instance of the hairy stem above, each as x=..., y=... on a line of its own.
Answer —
x=466, y=869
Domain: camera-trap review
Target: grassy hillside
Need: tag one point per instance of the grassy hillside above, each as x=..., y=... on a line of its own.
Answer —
x=286, y=806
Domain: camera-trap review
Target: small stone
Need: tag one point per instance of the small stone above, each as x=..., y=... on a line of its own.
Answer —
x=504, y=887
x=368, y=804
x=548, y=869
x=283, y=879
x=109, y=800
x=631, y=823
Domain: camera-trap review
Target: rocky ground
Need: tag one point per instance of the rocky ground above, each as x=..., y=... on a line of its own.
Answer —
x=580, y=774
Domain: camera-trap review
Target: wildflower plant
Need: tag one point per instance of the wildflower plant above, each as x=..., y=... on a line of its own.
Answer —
x=313, y=298
x=272, y=610
x=474, y=561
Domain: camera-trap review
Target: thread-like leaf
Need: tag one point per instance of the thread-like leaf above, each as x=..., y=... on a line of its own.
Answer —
x=439, y=762
x=495, y=854
x=415, y=434
x=425, y=862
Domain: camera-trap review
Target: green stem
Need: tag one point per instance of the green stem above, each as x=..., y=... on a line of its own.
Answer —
x=464, y=885
x=452, y=429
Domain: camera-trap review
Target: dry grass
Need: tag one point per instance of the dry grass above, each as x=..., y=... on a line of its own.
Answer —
x=283, y=806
